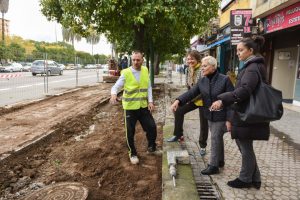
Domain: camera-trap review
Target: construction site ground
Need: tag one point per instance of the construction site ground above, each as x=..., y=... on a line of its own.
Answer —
x=77, y=137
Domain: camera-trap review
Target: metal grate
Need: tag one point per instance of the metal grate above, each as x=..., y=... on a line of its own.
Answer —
x=206, y=191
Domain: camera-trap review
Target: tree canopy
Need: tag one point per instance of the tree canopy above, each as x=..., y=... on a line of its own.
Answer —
x=18, y=49
x=166, y=25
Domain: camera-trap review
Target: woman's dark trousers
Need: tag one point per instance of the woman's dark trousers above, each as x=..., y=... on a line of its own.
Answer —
x=179, y=119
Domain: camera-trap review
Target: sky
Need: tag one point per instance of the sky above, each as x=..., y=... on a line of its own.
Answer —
x=27, y=21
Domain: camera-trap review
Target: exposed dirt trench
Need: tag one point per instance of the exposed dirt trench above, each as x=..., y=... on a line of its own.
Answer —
x=87, y=146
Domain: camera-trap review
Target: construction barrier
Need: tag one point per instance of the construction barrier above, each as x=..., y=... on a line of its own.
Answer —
x=11, y=75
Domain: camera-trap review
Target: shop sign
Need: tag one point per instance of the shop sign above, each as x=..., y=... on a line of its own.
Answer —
x=283, y=19
x=240, y=23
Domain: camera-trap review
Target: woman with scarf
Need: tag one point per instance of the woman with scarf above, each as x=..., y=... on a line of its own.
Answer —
x=192, y=76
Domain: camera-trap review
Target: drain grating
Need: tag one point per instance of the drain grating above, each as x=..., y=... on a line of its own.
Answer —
x=206, y=191
x=60, y=191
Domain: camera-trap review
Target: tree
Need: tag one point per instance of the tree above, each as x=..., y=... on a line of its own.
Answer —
x=17, y=52
x=3, y=53
x=157, y=27
x=92, y=39
x=4, y=8
x=143, y=21
x=70, y=36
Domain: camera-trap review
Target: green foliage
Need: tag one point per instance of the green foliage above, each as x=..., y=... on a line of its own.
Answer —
x=4, y=54
x=161, y=26
x=61, y=52
x=16, y=52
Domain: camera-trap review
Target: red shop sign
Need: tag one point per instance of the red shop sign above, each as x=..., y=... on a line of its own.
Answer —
x=285, y=18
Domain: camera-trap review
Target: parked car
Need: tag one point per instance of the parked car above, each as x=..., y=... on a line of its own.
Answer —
x=70, y=66
x=12, y=67
x=90, y=66
x=62, y=66
x=27, y=67
x=48, y=67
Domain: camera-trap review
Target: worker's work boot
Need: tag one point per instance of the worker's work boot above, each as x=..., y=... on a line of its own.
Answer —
x=134, y=160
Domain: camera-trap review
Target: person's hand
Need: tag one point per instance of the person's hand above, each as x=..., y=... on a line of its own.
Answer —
x=175, y=105
x=151, y=106
x=113, y=99
x=216, y=106
x=228, y=126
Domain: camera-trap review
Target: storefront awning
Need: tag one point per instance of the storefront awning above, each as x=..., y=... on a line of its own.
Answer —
x=219, y=42
x=227, y=38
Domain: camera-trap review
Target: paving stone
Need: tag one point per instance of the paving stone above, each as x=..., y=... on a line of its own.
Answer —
x=279, y=161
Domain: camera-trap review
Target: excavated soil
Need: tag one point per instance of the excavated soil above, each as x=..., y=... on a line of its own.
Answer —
x=86, y=145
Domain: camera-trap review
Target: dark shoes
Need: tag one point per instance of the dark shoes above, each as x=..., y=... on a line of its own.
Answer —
x=221, y=164
x=237, y=183
x=151, y=149
x=210, y=170
x=256, y=185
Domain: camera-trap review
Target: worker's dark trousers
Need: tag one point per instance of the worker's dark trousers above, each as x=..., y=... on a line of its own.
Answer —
x=144, y=116
x=179, y=119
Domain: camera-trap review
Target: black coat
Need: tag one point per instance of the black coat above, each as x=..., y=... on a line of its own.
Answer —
x=209, y=90
x=247, y=81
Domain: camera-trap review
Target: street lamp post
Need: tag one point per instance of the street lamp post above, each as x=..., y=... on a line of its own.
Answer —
x=3, y=8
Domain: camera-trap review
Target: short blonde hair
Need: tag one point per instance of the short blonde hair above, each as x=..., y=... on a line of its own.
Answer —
x=211, y=61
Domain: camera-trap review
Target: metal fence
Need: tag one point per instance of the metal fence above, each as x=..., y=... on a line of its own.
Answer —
x=18, y=87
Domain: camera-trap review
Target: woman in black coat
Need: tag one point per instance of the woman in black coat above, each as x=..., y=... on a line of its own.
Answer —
x=244, y=133
x=210, y=86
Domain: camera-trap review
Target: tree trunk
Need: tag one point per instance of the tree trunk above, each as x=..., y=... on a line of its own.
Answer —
x=139, y=33
x=151, y=63
x=156, y=63
x=147, y=59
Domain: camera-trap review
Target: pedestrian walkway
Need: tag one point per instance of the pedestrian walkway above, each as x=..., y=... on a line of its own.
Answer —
x=278, y=158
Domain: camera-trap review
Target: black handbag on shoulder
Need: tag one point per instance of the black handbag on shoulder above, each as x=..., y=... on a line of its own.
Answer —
x=264, y=105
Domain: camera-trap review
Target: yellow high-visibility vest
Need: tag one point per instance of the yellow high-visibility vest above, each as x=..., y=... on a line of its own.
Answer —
x=135, y=93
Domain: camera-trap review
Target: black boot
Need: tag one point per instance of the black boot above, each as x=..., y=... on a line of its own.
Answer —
x=237, y=183
x=210, y=170
x=221, y=164
x=256, y=185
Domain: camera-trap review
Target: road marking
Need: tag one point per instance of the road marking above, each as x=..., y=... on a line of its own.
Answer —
x=24, y=86
x=5, y=89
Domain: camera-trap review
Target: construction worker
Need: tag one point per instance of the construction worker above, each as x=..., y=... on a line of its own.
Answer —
x=137, y=103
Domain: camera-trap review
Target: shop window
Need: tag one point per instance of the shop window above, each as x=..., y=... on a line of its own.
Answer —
x=260, y=2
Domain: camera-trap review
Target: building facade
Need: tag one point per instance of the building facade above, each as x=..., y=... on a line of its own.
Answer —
x=279, y=23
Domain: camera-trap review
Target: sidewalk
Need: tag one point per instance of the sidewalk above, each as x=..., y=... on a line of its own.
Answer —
x=278, y=158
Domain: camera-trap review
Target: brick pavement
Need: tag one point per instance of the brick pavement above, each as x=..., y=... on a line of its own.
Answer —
x=278, y=158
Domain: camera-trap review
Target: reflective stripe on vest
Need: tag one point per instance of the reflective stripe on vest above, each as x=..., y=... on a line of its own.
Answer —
x=135, y=93
x=135, y=99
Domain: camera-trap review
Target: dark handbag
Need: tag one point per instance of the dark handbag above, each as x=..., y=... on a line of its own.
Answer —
x=264, y=105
